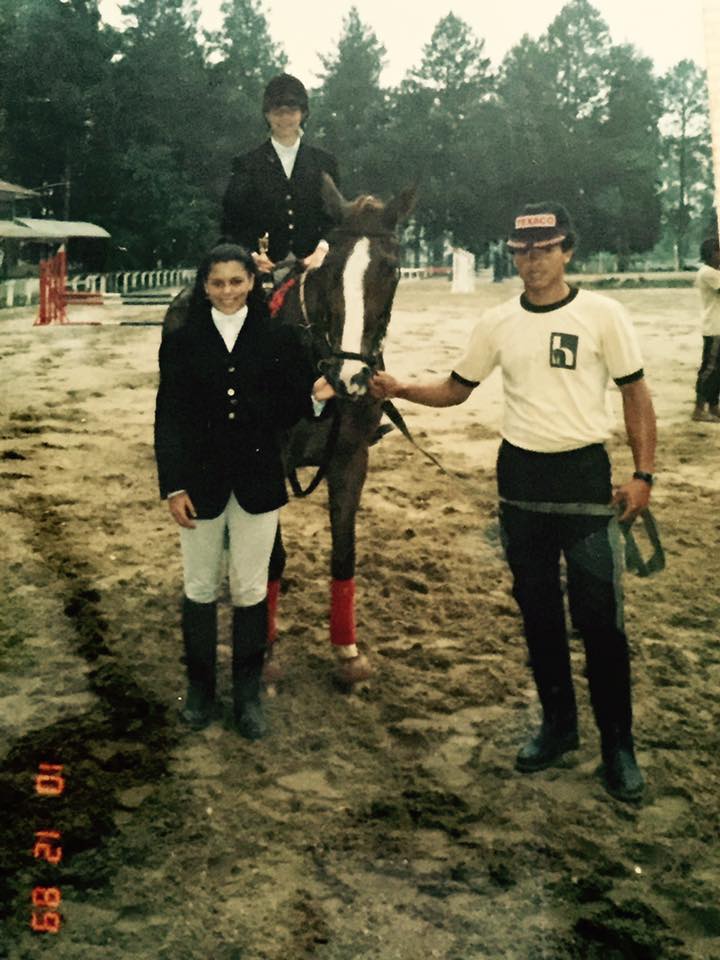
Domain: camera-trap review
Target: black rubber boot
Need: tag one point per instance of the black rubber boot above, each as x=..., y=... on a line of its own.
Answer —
x=621, y=774
x=199, y=628
x=558, y=733
x=553, y=739
x=249, y=647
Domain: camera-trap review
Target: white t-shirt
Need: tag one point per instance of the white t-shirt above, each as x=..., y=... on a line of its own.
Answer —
x=707, y=281
x=556, y=363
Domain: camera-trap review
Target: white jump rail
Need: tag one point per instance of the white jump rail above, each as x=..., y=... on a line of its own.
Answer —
x=414, y=273
x=22, y=292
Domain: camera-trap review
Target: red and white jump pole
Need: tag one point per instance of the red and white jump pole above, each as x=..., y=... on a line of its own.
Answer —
x=53, y=278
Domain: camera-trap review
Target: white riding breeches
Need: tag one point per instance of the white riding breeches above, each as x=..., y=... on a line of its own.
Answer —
x=251, y=537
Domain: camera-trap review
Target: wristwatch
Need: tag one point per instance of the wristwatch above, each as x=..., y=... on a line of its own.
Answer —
x=641, y=475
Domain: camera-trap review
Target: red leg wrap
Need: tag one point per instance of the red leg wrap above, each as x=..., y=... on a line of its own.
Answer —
x=342, y=612
x=273, y=592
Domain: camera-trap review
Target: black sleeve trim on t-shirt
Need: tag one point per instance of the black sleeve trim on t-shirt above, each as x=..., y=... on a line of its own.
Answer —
x=546, y=308
x=463, y=381
x=630, y=378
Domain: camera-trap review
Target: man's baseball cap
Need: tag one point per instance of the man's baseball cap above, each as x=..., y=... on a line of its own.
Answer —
x=541, y=225
x=285, y=91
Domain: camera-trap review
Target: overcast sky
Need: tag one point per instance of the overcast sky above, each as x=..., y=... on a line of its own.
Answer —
x=666, y=32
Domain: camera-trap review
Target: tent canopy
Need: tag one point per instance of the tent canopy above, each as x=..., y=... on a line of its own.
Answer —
x=29, y=228
x=15, y=192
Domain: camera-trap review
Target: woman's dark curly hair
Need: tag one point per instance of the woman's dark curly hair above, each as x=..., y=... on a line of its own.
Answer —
x=226, y=253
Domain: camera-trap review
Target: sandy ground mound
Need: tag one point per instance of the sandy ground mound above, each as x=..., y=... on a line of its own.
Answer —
x=385, y=824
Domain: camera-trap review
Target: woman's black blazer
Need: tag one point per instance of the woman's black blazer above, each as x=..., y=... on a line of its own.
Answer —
x=218, y=415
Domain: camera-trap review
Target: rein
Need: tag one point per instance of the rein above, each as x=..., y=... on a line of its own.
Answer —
x=371, y=360
x=324, y=464
x=632, y=557
x=320, y=344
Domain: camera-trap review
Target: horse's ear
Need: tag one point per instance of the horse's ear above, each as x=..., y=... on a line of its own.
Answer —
x=334, y=203
x=400, y=207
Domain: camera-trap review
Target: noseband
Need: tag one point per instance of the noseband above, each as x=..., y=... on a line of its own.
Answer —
x=322, y=345
x=371, y=360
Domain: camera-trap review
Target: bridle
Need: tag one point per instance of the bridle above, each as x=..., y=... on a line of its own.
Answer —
x=329, y=355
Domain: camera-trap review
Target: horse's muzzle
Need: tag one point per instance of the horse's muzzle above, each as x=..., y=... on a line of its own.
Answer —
x=348, y=373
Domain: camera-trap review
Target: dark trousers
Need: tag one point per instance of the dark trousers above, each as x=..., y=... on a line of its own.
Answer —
x=707, y=388
x=534, y=543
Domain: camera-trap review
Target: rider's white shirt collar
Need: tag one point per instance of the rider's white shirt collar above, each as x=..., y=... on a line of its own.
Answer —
x=287, y=155
x=229, y=325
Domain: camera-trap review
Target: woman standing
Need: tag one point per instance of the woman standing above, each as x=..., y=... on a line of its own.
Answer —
x=276, y=189
x=228, y=383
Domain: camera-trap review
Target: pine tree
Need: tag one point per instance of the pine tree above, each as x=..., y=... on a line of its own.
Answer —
x=445, y=121
x=243, y=57
x=54, y=56
x=687, y=156
x=350, y=110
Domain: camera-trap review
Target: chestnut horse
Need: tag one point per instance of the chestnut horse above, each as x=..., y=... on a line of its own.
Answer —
x=344, y=307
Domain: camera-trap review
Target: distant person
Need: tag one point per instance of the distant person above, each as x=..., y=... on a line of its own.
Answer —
x=557, y=347
x=707, y=387
x=498, y=263
x=276, y=189
x=229, y=382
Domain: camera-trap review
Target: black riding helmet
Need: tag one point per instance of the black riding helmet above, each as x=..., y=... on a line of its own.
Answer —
x=285, y=91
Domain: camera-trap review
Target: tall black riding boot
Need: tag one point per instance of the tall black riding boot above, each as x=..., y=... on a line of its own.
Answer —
x=558, y=732
x=199, y=628
x=557, y=735
x=621, y=774
x=608, y=661
x=249, y=646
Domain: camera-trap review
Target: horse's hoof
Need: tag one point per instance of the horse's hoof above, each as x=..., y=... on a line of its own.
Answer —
x=352, y=671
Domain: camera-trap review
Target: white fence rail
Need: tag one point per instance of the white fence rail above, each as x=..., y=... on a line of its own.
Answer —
x=414, y=273
x=25, y=292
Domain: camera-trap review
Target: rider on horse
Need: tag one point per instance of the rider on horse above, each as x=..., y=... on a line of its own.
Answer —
x=275, y=190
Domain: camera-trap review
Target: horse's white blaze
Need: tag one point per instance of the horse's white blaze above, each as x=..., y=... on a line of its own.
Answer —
x=354, y=295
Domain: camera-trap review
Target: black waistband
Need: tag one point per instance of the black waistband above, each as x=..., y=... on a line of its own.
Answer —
x=581, y=475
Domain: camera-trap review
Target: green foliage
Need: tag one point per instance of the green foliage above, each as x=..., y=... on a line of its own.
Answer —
x=453, y=64
x=444, y=121
x=53, y=59
x=350, y=103
x=686, y=157
x=169, y=220
x=144, y=122
x=241, y=58
x=629, y=156
x=583, y=118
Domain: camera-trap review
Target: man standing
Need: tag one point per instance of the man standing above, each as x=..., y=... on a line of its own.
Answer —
x=557, y=347
x=707, y=388
x=276, y=189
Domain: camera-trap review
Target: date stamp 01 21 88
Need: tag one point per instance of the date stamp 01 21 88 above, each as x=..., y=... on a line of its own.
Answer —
x=45, y=917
